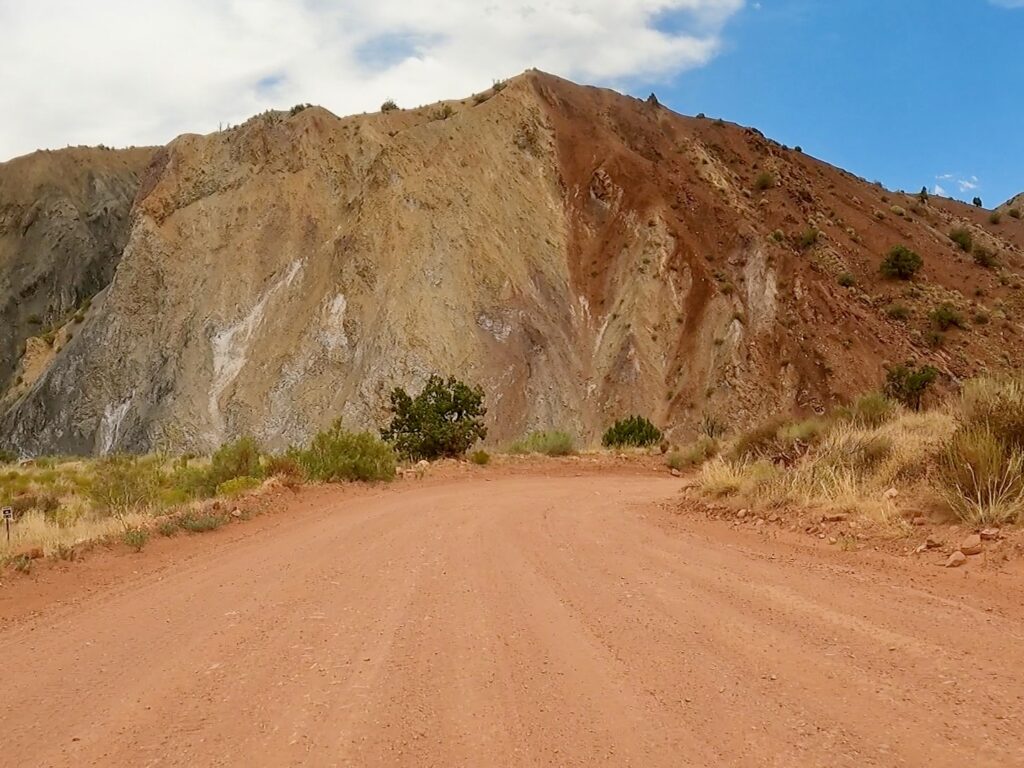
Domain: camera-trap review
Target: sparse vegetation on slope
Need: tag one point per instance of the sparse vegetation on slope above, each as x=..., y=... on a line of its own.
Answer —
x=901, y=263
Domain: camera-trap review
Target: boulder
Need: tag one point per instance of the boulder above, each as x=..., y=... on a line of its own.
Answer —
x=971, y=545
x=957, y=559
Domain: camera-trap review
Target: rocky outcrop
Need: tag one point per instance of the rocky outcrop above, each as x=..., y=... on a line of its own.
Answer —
x=64, y=220
x=1014, y=203
x=581, y=254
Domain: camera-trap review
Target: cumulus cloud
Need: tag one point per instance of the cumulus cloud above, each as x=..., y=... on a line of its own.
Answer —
x=968, y=185
x=938, y=190
x=142, y=71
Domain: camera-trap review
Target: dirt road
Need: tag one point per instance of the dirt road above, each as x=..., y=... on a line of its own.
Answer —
x=524, y=621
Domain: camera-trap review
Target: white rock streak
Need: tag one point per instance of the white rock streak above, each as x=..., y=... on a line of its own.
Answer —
x=110, y=427
x=231, y=347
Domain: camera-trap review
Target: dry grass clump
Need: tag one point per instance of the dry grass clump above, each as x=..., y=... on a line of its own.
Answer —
x=982, y=478
x=970, y=451
x=779, y=440
x=982, y=467
x=693, y=455
x=550, y=443
x=846, y=460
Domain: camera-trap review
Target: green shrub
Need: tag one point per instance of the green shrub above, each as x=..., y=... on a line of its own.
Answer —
x=444, y=419
x=481, y=458
x=123, y=483
x=983, y=477
x=984, y=257
x=6, y=457
x=764, y=180
x=444, y=112
x=946, y=316
x=962, y=237
x=237, y=486
x=549, y=443
x=298, y=108
x=901, y=263
x=388, y=106
x=168, y=527
x=898, y=311
x=240, y=458
x=846, y=280
x=195, y=522
x=135, y=538
x=635, y=431
x=907, y=384
x=337, y=455
x=995, y=217
x=192, y=482
x=1014, y=213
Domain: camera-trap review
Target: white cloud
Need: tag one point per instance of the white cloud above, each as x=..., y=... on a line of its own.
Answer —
x=1008, y=3
x=938, y=190
x=142, y=71
x=968, y=185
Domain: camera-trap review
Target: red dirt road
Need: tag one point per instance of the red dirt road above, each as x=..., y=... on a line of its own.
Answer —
x=526, y=621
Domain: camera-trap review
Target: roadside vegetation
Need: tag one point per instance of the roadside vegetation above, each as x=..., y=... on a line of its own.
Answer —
x=634, y=431
x=62, y=504
x=549, y=443
x=966, y=453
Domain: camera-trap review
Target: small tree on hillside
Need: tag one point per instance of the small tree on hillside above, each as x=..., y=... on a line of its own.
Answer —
x=908, y=384
x=444, y=419
x=977, y=202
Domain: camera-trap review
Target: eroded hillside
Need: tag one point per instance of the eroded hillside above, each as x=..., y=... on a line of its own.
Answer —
x=579, y=253
x=64, y=220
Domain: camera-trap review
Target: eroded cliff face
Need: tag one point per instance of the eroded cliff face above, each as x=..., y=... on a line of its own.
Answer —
x=581, y=254
x=64, y=220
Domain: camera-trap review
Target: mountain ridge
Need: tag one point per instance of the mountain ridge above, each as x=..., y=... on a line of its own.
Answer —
x=581, y=254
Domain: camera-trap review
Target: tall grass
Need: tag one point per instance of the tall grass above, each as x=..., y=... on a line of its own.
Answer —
x=550, y=443
x=847, y=459
x=969, y=451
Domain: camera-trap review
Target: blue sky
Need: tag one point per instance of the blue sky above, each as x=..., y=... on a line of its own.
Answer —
x=906, y=92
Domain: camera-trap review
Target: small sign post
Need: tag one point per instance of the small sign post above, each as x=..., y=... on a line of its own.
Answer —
x=8, y=516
